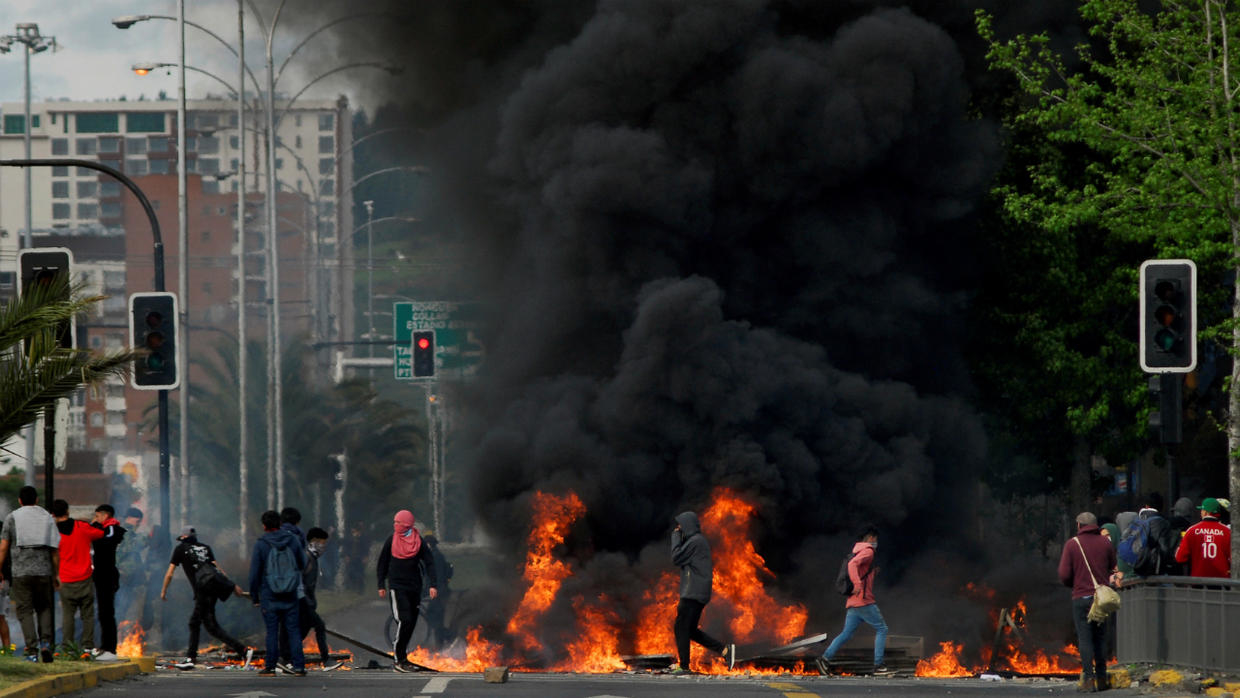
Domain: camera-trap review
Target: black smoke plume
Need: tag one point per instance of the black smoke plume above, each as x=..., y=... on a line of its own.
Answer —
x=727, y=243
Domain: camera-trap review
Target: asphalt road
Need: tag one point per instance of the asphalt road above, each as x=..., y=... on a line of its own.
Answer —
x=380, y=684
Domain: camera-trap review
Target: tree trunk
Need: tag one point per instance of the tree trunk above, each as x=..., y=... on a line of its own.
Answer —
x=1233, y=418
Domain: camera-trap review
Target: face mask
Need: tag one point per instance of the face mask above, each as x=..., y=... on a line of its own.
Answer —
x=316, y=548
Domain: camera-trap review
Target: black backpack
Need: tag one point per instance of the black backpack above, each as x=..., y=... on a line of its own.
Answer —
x=843, y=582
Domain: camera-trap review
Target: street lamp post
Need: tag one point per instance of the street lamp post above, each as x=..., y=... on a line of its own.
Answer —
x=370, y=273
x=182, y=267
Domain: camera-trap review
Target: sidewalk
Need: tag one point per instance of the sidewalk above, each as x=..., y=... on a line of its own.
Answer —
x=59, y=684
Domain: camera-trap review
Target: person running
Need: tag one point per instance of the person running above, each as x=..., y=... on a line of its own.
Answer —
x=192, y=555
x=31, y=539
x=401, y=561
x=691, y=553
x=861, y=606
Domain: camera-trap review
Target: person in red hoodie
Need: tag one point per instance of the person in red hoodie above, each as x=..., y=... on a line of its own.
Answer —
x=1086, y=559
x=77, y=588
x=861, y=606
x=1206, y=546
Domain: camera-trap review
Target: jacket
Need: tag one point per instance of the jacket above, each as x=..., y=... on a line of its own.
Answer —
x=406, y=573
x=861, y=572
x=270, y=540
x=1072, y=569
x=1207, y=549
x=691, y=553
x=75, y=540
x=1165, y=539
x=105, y=547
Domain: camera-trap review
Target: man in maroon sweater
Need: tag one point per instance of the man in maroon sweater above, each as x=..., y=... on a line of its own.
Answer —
x=1074, y=572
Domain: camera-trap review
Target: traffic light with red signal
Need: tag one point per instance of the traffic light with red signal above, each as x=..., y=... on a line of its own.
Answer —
x=424, y=354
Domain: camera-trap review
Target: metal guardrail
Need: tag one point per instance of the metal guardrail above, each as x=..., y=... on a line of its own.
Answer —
x=1191, y=622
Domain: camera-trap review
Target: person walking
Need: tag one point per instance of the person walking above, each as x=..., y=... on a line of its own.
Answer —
x=30, y=538
x=1088, y=559
x=275, y=583
x=691, y=553
x=402, y=558
x=861, y=607
x=192, y=556
x=76, y=574
x=1206, y=547
x=307, y=605
x=107, y=579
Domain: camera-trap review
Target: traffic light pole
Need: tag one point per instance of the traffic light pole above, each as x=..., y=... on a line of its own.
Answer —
x=159, y=286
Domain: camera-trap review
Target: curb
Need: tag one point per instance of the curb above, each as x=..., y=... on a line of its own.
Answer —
x=58, y=684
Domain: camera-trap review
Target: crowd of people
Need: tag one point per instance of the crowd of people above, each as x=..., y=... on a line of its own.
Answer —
x=1136, y=545
x=100, y=567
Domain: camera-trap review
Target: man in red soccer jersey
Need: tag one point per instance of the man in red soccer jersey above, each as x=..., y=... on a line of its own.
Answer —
x=1207, y=545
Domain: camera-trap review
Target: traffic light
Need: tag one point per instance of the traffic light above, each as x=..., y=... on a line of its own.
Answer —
x=153, y=326
x=1168, y=316
x=424, y=354
x=41, y=266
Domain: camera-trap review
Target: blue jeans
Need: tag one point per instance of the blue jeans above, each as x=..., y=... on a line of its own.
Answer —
x=870, y=614
x=275, y=614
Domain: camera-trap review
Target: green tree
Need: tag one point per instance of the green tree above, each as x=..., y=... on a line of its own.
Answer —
x=1154, y=101
x=33, y=379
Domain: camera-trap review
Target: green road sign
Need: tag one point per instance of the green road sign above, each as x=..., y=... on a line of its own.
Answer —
x=458, y=351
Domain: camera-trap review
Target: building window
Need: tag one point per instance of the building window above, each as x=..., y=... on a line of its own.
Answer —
x=232, y=164
x=210, y=186
x=327, y=166
x=111, y=144
x=135, y=167
x=16, y=123
x=109, y=189
x=88, y=189
x=327, y=144
x=297, y=141
x=87, y=172
x=135, y=146
x=327, y=187
x=60, y=146
x=98, y=122
x=206, y=121
x=87, y=211
x=60, y=190
x=110, y=209
x=60, y=211
x=115, y=418
x=159, y=166
x=232, y=119
x=191, y=144
x=208, y=166
x=234, y=142
x=279, y=163
x=144, y=122
x=96, y=419
x=61, y=170
x=113, y=279
x=327, y=122
x=297, y=120
x=157, y=144
x=87, y=146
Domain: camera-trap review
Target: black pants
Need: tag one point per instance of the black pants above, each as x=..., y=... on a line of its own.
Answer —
x=204, y=617
x=688, y=614
x=1091, y=638
x=106, y=584
x=405, y=610
x=309, y=620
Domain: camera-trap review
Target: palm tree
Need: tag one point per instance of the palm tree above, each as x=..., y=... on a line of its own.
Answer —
x=34, y=379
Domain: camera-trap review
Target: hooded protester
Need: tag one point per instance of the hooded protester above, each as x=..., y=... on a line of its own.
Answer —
x=275, y=586
x=107, y=578
x=192, y=556
x=1123, y=520
x=402, y=560
x=30, y=538
x=691, y=553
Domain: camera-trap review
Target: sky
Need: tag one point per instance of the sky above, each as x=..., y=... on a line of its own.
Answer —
x=94, y=59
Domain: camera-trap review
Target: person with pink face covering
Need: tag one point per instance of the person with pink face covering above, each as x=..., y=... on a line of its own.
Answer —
x=402, y=560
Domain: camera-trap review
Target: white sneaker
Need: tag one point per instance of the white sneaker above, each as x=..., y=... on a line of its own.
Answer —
x=186, y=663
x=105, y=656
x=332, y=667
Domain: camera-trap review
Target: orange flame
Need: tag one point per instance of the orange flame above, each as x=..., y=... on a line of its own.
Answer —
x=945, y=664
x=134, y=642
x=654, y=633
x=598, y=635
x=552, y=518
x=740, y=573
x=479, y=654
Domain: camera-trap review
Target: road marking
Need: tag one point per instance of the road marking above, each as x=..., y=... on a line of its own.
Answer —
x=436, y=685
x=791, y=690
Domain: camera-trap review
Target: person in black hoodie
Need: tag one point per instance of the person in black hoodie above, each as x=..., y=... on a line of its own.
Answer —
x=691, y=553
x=107, y=579
x=402, y=558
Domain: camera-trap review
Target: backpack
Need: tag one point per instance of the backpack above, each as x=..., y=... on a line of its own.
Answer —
x=1139, y=549
x=211, y=582
x=280, y=572
x=843, y=582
